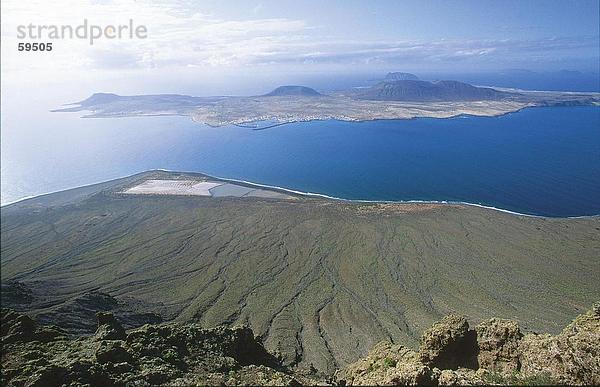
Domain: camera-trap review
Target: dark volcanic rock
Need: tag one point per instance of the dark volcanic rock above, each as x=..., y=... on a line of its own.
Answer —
x=177, y=354
x=16, y=294
x=17, y=327
x=78, y=315
x=50, y=375
x=108, y=327
x=187, y=354
x=112, y=352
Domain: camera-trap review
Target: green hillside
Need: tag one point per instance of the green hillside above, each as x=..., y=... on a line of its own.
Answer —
x=321, y=281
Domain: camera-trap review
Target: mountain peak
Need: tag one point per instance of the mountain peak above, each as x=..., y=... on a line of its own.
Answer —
x=398, y=76
x=411, y=90
x=99, y=98
x=293, y=90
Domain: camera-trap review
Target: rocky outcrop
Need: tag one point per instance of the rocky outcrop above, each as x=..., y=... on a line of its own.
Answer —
x=571, y=357
x=448, y=344
x=450, y=353
x=20, y=328
x=495, y=352
x=76, y=315
x=170, y=354
x=498, y=345
x=387, y=364
x=15, y=293
x=108, y=327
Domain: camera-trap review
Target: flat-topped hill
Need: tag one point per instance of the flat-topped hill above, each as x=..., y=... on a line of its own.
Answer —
x=293, y=90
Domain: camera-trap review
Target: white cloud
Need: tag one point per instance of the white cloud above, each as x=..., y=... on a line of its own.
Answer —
x=174, y=37
x=186, y=36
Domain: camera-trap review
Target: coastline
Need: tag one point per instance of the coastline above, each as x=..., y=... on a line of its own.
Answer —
x=311, y=194
x=341, y=106
x=245, y=124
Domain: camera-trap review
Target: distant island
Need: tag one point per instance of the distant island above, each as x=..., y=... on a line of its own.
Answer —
x=398, y=96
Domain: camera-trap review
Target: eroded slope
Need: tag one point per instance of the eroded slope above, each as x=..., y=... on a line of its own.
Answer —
x=319, y=281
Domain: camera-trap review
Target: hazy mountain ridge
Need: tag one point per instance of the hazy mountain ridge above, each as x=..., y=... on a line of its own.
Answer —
x=415, y=90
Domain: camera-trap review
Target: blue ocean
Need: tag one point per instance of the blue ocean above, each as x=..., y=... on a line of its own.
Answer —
x=539, y=161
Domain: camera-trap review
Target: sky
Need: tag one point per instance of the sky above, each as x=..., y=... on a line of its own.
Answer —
x=223, y=39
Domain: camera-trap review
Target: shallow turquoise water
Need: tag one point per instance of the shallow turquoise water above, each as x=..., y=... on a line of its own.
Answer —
x=543, y=161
